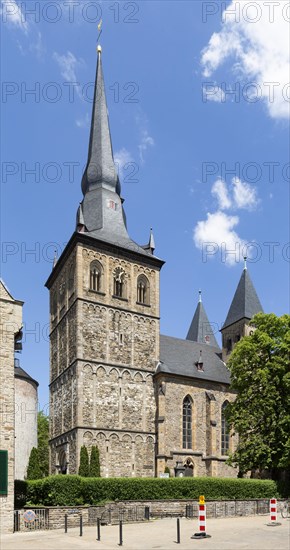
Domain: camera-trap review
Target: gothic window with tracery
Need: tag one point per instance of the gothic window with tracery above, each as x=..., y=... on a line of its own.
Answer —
x=187, y=423
x=225, y=435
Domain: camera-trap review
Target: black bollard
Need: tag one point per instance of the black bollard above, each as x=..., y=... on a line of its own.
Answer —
x=98, y=529
x=121, y=533
x=81, y=525
x=65, y=523
x=178, y=531
x=147, y=512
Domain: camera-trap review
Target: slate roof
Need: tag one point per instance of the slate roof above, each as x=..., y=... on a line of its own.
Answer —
x=20, y=373
x=245, y=302
x=200, y=329
x=179, y=356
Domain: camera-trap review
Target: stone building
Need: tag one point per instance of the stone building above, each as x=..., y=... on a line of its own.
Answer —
x=147, y=401
x=10, y=341
x=26, y=406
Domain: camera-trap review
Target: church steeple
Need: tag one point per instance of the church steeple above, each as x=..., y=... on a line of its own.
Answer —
x=100, y=169
x=200, y=329
x=101, y=214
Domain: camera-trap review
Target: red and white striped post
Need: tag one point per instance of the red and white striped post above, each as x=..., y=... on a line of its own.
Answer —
x=273, y=510
x=273, y=513
x=201, y=520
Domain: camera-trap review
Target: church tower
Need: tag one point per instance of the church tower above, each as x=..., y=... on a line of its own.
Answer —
x=244, y=306
x=104, y=325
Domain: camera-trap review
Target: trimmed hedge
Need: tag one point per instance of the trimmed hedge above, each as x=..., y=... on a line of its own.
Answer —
x=74, y=490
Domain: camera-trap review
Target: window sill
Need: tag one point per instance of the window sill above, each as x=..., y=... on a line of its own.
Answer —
x=120, y=298
x=97, y=292
x=141, y=304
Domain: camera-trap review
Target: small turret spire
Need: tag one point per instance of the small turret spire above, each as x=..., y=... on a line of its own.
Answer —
x=151, y=241
x=201, y=330
x=245, y=262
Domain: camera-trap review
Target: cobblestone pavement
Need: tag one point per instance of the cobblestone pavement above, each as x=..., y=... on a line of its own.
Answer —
x=250, y=533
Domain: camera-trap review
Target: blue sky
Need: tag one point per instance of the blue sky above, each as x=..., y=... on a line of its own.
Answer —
x=198, y=102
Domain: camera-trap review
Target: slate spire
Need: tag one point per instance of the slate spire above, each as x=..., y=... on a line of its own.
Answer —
x=101, y=214
x=200, y=329
x=100, y=168
x=245, y=303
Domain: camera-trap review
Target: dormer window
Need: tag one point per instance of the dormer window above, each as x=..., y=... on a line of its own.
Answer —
x=199, y=363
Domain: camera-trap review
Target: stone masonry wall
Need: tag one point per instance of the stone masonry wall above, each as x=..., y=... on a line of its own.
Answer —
x=104, y=350
x=112, y=512
x=207, y=399
x=10, y=324
x=26, y=407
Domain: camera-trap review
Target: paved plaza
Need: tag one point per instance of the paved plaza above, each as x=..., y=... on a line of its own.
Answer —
x=251, y=533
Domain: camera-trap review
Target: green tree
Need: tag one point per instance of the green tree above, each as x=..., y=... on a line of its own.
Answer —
x=84, y=469
x=33, y=468
x=260, y=375
x=95, y=462
x=42, y=442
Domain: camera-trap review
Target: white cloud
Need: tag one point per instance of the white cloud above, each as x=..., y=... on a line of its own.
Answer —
x=217, y=234
x=258, y=44
x=37, y=46
x=122, y=158
x=244, y=195
x=83, y=122
x=241, y=195
x=13, y=16
x=146, y=141
x=68, y=64
x=214, y=93
x=220, y=191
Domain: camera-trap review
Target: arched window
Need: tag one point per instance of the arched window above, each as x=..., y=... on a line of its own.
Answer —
x=187, y=423
x=119, y=282
x=143, y=290
x=225, y=435
x=95, y=276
